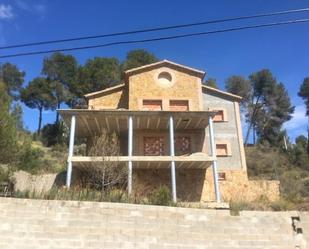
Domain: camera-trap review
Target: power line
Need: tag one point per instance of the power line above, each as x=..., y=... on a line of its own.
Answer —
x=156, y=29
x=157, y=39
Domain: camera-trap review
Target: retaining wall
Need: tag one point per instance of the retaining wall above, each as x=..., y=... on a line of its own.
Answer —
x=43, y=224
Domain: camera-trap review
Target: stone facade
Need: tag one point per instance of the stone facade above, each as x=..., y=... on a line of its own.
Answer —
x=146, y=85
x=113, y=99
x=196, y=185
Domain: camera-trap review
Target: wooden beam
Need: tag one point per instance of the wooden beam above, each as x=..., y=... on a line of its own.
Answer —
x=107, y=124
x=148, y=122
x=86, y=124
x=117, y=123
x=97, y=124
x=158, y=123
x=188, y=123
x=198, y=123
x=177, y=124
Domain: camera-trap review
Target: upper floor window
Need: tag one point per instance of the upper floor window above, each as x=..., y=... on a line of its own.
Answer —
x=179, y=105
x=220, y=115
x=223, y=149
x=165, y=79
x=152, y=105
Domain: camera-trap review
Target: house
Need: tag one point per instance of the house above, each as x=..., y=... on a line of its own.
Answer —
x=175, y=131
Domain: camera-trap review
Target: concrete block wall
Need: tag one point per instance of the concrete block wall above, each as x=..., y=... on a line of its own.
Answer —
x=32, y=224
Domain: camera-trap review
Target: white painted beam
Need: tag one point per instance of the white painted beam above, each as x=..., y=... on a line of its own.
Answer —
x=214, y=163
x=130, y=152
x=172, y=154
x=71, y=150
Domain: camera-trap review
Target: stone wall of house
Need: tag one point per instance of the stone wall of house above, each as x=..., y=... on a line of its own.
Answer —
x=114, y=99
x=184, y=86
x=238, y=187
x=196, y=185
x=30, y=224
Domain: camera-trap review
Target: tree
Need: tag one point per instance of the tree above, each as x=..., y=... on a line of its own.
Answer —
x=278, y=109
x=97, y=74
x=8, y=135
x=137, y=58
x=106, y=174
x=212, y=82
x=17, y=113
x=53, y=134
x=61, y=71
x=38, y=95
x=262, y=83
x=304, y=94
x=265, y=102
x=13, y=78
x=240, y=86
x=301, y=141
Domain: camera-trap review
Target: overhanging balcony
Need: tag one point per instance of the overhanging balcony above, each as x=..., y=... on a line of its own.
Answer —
x=92, y=122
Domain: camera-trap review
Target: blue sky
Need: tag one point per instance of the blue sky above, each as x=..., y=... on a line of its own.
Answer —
x=284, y=50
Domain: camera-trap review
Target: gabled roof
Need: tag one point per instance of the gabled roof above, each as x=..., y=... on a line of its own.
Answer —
x=222, y=93
x=110, y=89
x=162, y=63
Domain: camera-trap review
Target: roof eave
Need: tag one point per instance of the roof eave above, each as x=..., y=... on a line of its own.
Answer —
x=229, y=95
x=137, y=69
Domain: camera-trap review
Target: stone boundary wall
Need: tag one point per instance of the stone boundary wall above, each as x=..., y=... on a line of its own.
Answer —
x=42, y=224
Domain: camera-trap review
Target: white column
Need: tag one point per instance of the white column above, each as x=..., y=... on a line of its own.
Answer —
x=214, y=163
x=71, y=149
x=172, y=153
x=130, y=152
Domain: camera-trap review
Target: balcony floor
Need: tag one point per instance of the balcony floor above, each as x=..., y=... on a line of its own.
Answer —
x=146, y=162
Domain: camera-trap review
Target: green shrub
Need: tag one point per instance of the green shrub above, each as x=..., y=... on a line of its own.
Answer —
x=53, y=134
x=29, y=158
x=281, y=205
x=4, y=174
x=237, y=206
x=160, y=196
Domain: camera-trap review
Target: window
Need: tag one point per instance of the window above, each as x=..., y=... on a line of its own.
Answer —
x=219, y=116
x=152, y=105
x=222, y=150
x=182, y=145
x=154, y=146
x=221, y=176
x=165, y=79
x=179, y=105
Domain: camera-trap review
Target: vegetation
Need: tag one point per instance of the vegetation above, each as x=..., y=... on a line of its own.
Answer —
x=266, y=105
x=104, y=175
x=304, y=94
x=38, y=94
x=160, y=196
x=211, y=82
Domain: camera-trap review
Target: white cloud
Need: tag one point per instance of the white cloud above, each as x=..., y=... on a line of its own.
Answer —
x=299, y=119
x=298, y=124
x=38, y=9
x=6, y=12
